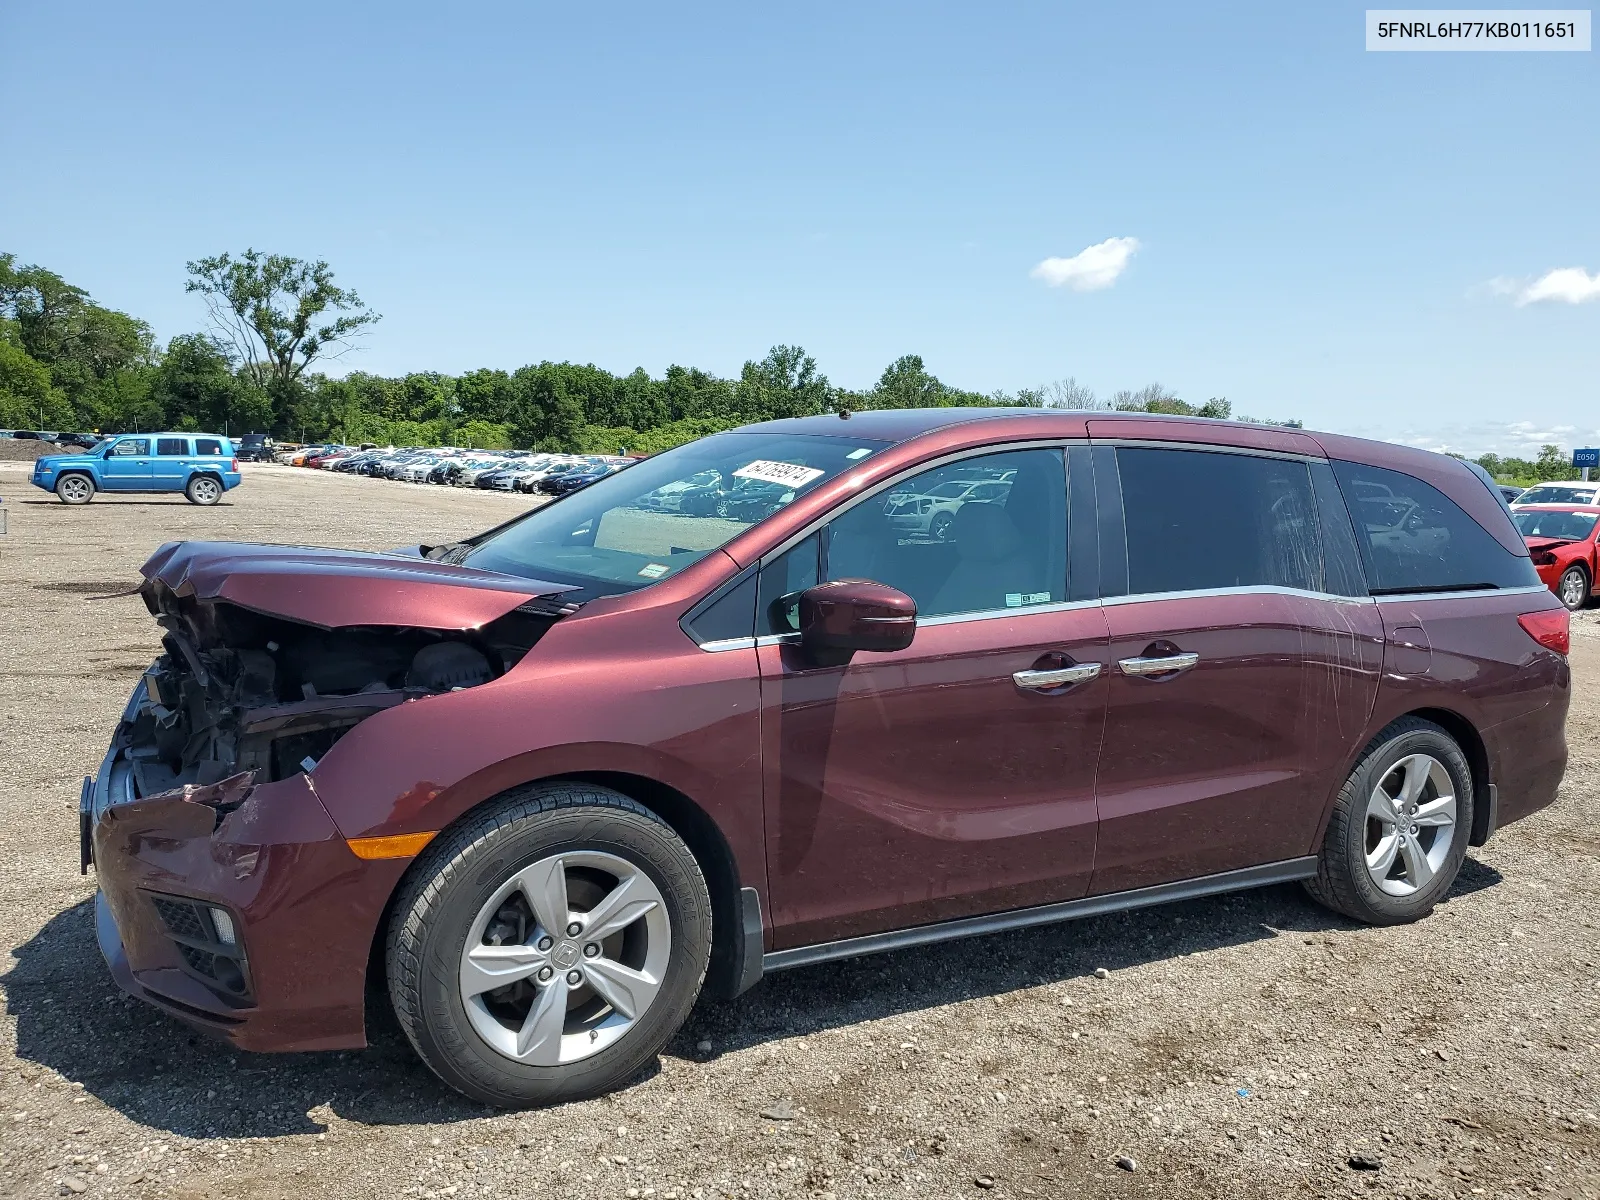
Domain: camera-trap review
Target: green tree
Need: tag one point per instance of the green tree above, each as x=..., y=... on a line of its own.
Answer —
x=196, y=388
x=1554, y=463
x=277, y=315
x=28, y=400
x=786, y=383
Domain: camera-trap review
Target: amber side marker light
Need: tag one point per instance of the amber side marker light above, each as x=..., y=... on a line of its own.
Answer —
x=401, y=845
x=1552, y=629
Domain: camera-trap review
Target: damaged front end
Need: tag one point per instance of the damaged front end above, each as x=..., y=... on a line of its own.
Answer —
x=214, y=855
x=242, y=688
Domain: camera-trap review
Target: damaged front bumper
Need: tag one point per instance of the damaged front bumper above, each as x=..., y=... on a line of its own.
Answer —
x=234, y=906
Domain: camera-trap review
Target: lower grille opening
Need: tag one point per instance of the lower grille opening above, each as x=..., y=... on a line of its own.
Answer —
x=218, y=963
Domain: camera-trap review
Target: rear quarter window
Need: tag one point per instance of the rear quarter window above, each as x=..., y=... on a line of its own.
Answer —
x=1413, y=538
x=210, y=446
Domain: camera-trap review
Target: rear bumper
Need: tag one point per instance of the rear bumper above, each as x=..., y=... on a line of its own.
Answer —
x=303, y=907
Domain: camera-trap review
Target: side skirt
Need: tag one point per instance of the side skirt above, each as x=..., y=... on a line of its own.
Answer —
x=1046, y=914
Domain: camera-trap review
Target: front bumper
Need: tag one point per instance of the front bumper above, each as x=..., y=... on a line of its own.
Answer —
x=304, y=908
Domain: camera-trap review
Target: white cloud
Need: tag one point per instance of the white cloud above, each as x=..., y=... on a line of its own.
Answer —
x=1509, y=439
x=1091, y=269
x=1572, y=285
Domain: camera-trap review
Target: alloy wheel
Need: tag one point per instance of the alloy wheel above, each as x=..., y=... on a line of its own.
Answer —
x=206, y=491
x=75, y=489
x=1411, y=819
x=1574, y=588
x=565, y=958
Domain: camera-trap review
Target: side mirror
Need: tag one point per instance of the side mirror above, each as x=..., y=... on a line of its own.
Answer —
x=837, y=619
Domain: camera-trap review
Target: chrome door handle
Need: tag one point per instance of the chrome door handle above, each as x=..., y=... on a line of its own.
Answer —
x=1059, y=677
x=1166, y=664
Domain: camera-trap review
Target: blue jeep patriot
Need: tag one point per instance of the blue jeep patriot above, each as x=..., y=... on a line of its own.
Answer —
x=200, y=465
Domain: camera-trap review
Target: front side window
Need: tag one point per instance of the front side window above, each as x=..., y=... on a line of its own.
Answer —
x=641, y=525
x=172, y=447
x=1416, y=539
x=1198, y=520
x=977, y=535
x=131, y=448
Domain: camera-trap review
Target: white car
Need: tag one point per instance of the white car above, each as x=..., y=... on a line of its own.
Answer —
x=1559, y=493
x=931, y=514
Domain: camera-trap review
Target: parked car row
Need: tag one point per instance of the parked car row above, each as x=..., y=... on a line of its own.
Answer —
x=85, y=440
x=525, y=471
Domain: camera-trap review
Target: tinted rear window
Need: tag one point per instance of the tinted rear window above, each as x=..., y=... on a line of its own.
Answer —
x=1199, y=520
x=1413, y=538
x=208, y=446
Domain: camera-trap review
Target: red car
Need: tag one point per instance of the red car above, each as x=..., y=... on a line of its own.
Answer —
x=552, y=781
x=1561, y=542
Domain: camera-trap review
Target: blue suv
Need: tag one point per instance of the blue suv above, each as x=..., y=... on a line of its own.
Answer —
x=200, y=465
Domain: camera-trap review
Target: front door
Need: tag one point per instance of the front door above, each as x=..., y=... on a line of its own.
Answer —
x=955, y=777
x=128, y=466
x=1237, y=679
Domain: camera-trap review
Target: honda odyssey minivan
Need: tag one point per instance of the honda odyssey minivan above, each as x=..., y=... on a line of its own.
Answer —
x=548, y=783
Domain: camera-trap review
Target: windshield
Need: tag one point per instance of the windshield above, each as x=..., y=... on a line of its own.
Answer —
x=643, y=524
x=1557, y=493
x=1571, y=525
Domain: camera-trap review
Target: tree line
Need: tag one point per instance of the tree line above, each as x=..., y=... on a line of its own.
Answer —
x=277, y=323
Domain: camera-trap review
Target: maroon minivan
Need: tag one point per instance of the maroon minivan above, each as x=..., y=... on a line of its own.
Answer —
x=810, y=689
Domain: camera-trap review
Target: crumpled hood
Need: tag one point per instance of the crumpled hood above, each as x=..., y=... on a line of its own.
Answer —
x=1547, y=543
x=336, y=588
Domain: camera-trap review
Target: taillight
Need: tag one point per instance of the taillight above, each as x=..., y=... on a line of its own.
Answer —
x=1551, y=629
x=234, y=465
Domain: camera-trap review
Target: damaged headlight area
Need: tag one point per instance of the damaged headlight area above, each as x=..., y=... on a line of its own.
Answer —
x=242, y=691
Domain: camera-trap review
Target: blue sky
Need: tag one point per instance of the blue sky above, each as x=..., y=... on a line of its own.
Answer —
x=1321, y=232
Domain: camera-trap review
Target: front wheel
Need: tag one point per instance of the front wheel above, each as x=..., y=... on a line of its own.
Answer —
x=203, y=490
x=75, y=489
x=1399, y=828
x=1573, y=589
x=545, y=951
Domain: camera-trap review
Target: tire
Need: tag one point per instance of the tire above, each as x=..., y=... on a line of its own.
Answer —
x=1573, y=587
x=75, y=489
x=463, y=894
x=939, y=527
x=203, y=490
x=1424, y=855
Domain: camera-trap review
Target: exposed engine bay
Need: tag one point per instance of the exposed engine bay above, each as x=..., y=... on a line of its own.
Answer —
x=237, y=690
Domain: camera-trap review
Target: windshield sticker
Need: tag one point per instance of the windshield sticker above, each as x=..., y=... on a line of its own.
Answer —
x=789, y=474
x=861, y=453
x=654, y=570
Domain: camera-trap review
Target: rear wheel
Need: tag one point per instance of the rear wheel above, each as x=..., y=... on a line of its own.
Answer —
x=546, y=950
x=75, y=489
x=1399, y=828
x=1573, y=589
x=203, y=489
x=939, y=527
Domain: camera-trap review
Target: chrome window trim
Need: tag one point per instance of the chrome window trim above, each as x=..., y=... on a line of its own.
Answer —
x=995, y=614
x=1206, y=447
x=722, y=645
x=1252, y=589
x=1461, y=594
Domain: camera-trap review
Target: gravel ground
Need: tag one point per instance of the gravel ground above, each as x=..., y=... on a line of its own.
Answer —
x=1250, y=1046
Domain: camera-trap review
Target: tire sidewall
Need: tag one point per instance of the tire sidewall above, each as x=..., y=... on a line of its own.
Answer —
x=61, y=495
x=446, y=1037
x=1561, y=585
x=194, y=486
x=1438, y=744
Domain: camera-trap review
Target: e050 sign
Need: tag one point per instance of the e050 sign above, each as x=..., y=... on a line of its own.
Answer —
x=1586, y=458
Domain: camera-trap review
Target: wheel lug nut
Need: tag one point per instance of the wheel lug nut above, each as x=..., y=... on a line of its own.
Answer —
x=545, y=943
x=574, y=929
x=545, y=972
x=574, y=977
x=592, y=950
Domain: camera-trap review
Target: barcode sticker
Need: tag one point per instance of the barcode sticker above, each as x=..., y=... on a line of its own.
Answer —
x=788, y=474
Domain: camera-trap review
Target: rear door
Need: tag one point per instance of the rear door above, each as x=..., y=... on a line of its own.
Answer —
x=1240, y=667
x=172, y=465
x=128, y=466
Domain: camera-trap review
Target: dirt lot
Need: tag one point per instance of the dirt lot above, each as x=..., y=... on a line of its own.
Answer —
x=1250, y=1046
